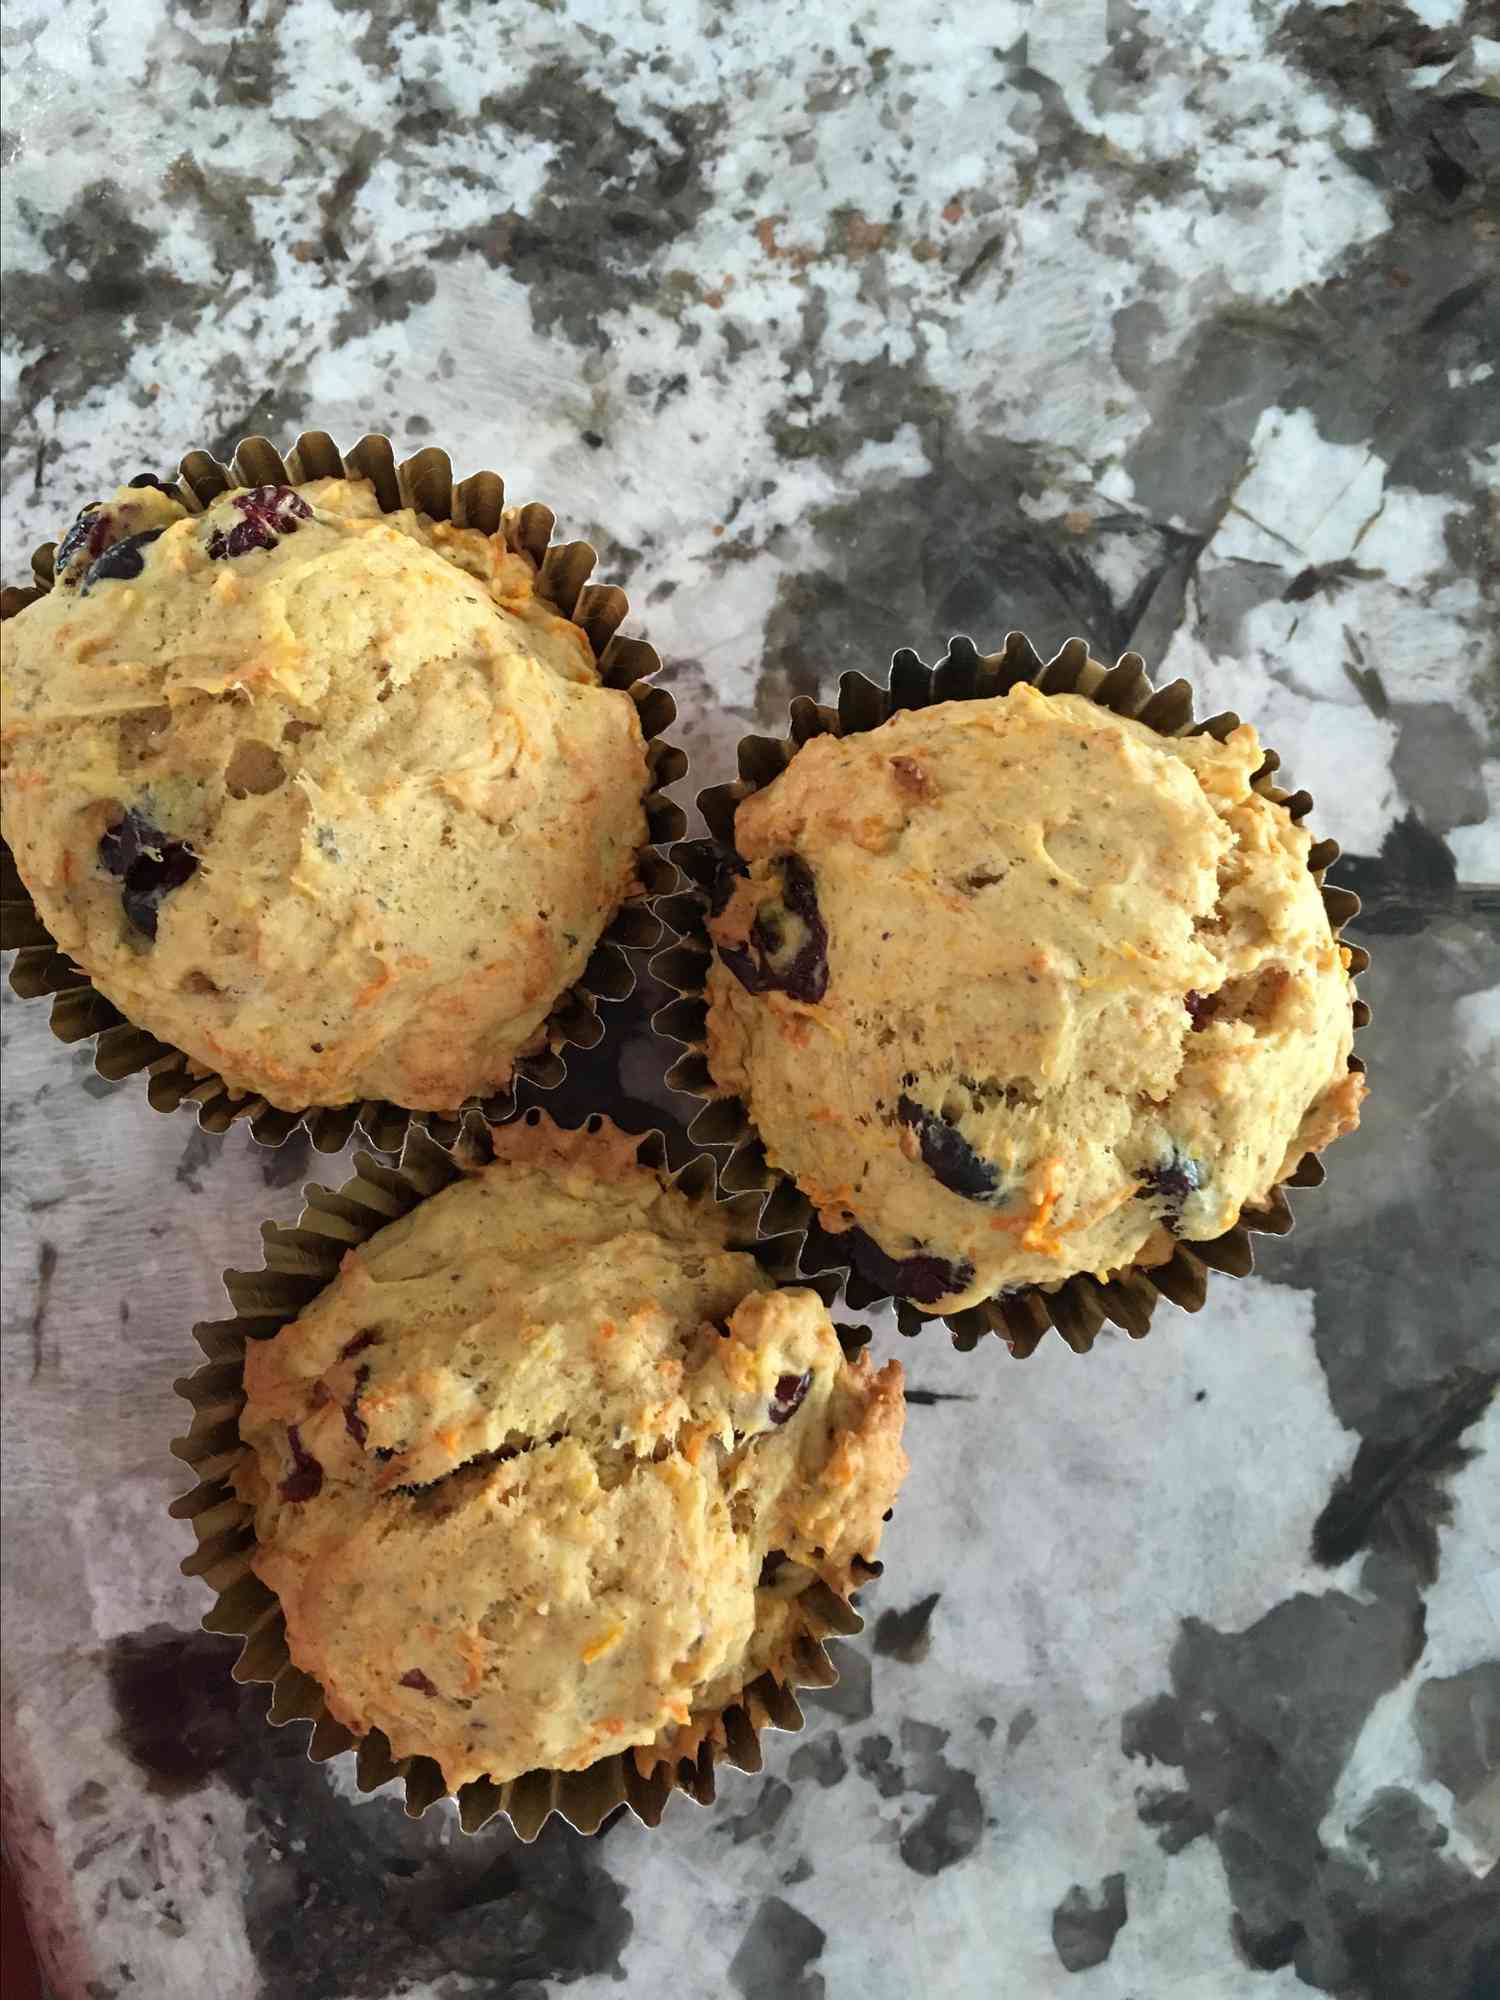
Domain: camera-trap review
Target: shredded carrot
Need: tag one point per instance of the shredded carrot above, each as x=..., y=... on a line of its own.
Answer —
x=1035, y=1236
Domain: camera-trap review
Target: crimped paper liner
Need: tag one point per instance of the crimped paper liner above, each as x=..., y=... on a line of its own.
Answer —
x=299, y=1262
x=426, y=483
x=1079, y=1306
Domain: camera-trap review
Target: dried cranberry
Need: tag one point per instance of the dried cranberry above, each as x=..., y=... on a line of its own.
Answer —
x=119, y=562
x=1201, y=1007
x=804, y=974
x=791, y=1392
x=923, y=1278
x=270, y=512
x=947, y=1154
x=149, y=862
x=87, y=538
x=1171, y=1181
x=415, y=1678
x=305, y=1480
x=354, y=1423
x=358, y=1345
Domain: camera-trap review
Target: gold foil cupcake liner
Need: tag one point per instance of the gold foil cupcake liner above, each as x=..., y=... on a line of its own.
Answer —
x=299, y=1262
x=1078, y=1307
x=564, y=570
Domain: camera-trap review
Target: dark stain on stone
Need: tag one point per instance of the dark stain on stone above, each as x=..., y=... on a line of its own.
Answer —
x=851, y=1697
x=775, y=1953
x=905, y=1635
x=952, y=1826
x=1369, y=685
x=821, y=1759
x=1457, y=1723
x=1084, y=1927
x=382, y=299
x=252, y=75
x=928, y=1398
x=1324, y=580
x=200, y=1149
x=1261, y=1724
x=46, y=1270
x=290, y=1162
x=222, y=200
x=948, y=1829
x=1438, y=764
x=1400, y=1243
x=761, y=1820
x=85, y=330
x=1408, y=884
x=1394, y=1498
x=336, y=205
x=399, y=1902
x=873, y=1761
x=952, y=551
x=1019, y=1727
x=179, y=1711
x=614, y=199
x=240, y=412
x=1368, y=356
x=801, y=1870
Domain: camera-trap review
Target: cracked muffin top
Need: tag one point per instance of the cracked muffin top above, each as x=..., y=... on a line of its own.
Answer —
x=540, y=1475
x=326, y=797
x=1017, y=988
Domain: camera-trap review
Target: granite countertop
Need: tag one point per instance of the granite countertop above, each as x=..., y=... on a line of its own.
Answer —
x=1173, y=326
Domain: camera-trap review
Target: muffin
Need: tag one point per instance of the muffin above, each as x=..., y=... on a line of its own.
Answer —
x=328, y=797
x=1017, y=988
x=542, y=1474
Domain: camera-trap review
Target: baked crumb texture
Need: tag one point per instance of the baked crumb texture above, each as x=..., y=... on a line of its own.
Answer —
x=330, y=796
x=551, y=1478
x=1019, y=991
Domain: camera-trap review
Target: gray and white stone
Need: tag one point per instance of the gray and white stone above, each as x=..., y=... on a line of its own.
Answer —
x=1173, y=326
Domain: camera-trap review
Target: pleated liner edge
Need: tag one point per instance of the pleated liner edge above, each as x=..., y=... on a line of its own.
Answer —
x=1080, y=1306
x=425, y=482
x=299, y=1262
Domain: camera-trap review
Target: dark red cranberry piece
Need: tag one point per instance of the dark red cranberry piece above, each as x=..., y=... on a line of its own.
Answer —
x=86, y=539
x=947, y=1154
x=358, y=1345
x=270, y=512
x=415, y=1678
x=354, y=1423
x=305, y=1480
x=791, y=1391
x=1201, y=1007
x=923, y=1278
x=119, y=562
x=765, y=965
x=149, y=862
x=1171, y=1181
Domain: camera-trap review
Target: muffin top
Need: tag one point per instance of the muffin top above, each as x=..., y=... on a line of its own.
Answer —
x=1017, y=988
x=540, y=1475
x=327, y=797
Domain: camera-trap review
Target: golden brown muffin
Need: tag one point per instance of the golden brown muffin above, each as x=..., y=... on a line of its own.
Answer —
x=537, y=1477
x=327, y=798
x=1017, y=988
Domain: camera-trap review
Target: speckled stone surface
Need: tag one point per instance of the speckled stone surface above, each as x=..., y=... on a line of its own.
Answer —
x=1169, y=325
